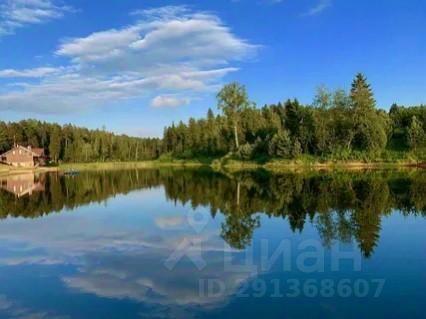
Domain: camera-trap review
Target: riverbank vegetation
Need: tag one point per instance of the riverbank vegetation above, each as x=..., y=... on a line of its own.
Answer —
x=338, y=126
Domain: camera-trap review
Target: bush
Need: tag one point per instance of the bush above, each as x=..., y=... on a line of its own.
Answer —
x=166, y=157
x=245, y=152
x=187, y=154
x=280, y=145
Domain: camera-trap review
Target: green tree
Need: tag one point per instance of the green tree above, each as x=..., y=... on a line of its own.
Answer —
x=4, y=143
x=297, y=149
x=362, y=94
x=370, y=126
x=416, y=135
x=245, y=152
x=293, y=117
x=323, y=99
x=55, y=143
x=280, y=145
x=232, y=99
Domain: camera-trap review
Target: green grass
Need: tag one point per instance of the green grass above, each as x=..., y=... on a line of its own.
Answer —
x=355, y=160
x=169, y=158
x=124, y=165
x=384, y=159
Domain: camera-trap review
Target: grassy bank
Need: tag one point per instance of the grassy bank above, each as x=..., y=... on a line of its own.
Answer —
x=279, y=165
x=228, y=162
x=387, y=159
x=127, y=165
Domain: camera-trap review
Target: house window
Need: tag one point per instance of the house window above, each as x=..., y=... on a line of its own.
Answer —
x=13, y=152
x=20, y=152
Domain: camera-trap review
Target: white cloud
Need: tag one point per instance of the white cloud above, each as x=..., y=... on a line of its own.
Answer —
x=100, y=46
x=169, y=101
x=117, y=260
x=14, y=310
x=73, y=91
x=320, y=7
x=29, y=73
x=169, y=53
x=165, y=12
x=165, y=222
x=16, y=14
x=188, y=40
x=152, y=283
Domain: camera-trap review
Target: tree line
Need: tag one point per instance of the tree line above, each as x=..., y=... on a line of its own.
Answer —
x=69, y=143
x=337, y=125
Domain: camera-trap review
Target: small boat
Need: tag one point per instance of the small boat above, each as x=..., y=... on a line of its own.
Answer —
x=71, y=172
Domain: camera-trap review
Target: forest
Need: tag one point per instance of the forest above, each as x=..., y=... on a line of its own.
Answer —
x=337, y=125
x=69, y=143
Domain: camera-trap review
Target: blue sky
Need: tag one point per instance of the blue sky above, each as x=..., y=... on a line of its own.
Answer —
x=135, y=66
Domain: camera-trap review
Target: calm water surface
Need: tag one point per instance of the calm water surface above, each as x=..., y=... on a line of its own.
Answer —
x=201, y=244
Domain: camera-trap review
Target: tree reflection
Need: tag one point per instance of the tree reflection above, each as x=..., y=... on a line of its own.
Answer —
x=343, y=206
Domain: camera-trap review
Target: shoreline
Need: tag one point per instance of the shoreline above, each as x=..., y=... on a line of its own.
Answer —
x=333, y=164
x=232, y=165
x=7, y=170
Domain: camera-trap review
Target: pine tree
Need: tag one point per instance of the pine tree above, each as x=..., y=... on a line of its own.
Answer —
x=370, y=131
x=362, y=94
x=292, y=117
x=280, y=145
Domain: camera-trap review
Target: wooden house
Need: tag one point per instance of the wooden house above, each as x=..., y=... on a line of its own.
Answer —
x=24, y=156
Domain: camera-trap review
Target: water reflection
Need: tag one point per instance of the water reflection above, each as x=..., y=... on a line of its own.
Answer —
x=120, y=235
x=343, y=206
x=21, y=184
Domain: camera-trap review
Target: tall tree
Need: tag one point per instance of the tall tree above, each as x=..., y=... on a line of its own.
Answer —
x=416, y=135
x=232, y=99
x=370, y=126
x=55, y=143
x=362, y=94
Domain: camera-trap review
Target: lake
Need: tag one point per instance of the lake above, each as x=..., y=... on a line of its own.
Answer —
x=195, y=243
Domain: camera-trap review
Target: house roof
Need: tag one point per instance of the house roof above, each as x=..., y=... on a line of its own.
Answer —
x=38, y=151
x=34, y=151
